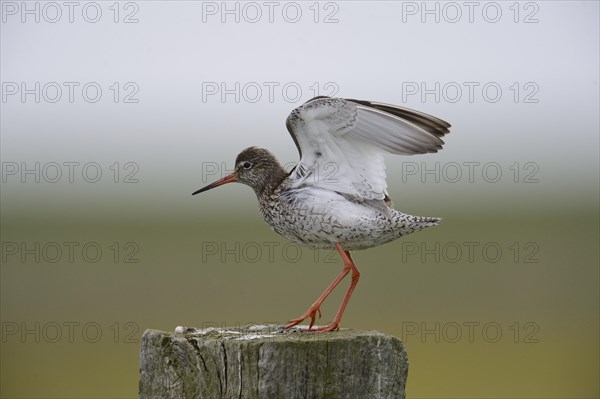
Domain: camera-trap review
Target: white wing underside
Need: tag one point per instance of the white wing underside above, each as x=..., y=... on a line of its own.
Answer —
x=342, y=143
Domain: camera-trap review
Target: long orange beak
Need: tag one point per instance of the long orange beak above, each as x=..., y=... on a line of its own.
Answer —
x=227, y=179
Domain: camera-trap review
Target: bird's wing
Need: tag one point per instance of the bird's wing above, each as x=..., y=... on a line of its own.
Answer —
x=342, y=142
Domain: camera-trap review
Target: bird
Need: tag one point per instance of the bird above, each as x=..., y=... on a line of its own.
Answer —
x=336, y=196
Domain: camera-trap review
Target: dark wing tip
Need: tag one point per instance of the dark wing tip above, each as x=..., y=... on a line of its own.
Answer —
x=429, y=123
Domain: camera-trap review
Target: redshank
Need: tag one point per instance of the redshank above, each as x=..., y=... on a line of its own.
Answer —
x=336, y=196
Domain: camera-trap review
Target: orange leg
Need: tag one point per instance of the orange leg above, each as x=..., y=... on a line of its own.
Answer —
x=316, y=306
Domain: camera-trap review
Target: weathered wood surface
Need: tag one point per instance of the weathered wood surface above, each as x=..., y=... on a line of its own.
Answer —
x=264, y=362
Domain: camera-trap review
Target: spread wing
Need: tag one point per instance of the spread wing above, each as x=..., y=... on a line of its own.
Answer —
x=342, y=142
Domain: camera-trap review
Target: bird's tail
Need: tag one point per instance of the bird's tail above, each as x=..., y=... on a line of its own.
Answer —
x=410, y=224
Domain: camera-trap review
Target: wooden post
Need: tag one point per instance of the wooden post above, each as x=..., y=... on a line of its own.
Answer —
x=264, y=362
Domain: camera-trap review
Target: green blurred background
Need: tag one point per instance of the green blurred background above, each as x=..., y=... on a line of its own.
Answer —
x=499, y=301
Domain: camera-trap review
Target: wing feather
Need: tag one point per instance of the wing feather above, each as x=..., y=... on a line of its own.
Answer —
x=341, y=143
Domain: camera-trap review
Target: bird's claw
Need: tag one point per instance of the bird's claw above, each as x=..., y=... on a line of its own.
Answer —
x=312, y=313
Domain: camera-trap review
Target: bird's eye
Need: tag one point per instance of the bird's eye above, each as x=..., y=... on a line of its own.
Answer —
x=246, y=165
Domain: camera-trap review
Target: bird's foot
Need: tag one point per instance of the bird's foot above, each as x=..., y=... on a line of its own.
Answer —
x=329, y=327
x=311, y=312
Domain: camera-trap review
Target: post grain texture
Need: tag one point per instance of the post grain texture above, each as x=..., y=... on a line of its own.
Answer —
x=264, y=362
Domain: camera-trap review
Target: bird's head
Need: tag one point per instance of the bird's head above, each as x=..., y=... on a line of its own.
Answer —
x=254, y=167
